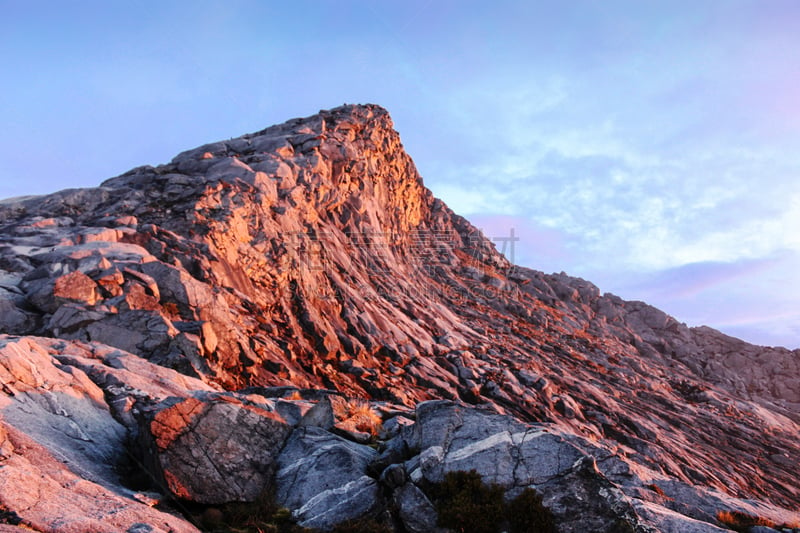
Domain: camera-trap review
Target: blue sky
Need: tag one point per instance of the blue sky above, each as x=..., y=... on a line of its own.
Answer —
x=650, y=147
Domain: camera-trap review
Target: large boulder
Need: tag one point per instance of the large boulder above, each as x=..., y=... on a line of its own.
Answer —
x=503, y=450
x=414, y=509
x=515, y=456
x=582, y=499
x=212, y=450
x=322, y=478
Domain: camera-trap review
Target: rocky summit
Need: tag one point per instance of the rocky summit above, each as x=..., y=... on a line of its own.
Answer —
x=286, y=331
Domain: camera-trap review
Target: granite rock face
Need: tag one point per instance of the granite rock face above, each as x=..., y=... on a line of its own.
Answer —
x=323, y=479
x=63, y=459
x=213, y=450
x=309, y=256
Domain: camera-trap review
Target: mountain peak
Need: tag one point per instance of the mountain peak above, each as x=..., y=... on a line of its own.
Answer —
x=310, y=255
x=347, y=162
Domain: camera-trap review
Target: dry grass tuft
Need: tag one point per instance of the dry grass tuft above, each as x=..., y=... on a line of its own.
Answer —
x=658, y=490
x=171, y=309
x=358, y=414
x=295, y=395
x=742, y=522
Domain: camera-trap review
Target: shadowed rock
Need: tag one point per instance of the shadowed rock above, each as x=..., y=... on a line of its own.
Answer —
x=213, y=450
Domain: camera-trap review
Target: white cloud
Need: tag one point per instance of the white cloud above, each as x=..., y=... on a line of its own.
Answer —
x=712, y=203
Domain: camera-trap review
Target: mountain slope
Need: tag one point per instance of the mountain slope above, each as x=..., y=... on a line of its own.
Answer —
x=310, y=254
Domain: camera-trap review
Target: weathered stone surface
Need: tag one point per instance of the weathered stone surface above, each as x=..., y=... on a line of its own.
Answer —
x=582, y=499
x=76, y=287
x=215, y=450
x=323, y=479
x=667, y=521
x=13, y=319
x=504, y=451
x=321, y=415
x=310, y=255
x=60, y=407
x=50, y=494
x=57, y=433
x=415, y=510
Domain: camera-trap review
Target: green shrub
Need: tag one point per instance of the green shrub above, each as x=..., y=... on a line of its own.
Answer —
x=622, y=526
x=263, y=515
x=527, y=514
x=467, y=505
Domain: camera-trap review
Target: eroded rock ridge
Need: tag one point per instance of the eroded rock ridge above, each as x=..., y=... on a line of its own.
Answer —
x=192, y=321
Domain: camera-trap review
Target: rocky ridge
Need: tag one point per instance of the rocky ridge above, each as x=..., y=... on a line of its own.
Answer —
x=223, y=293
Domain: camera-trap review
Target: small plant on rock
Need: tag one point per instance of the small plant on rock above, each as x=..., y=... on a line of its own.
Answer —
x=742, y=522
x=357, y=414
x=7, y=516
x=263, y=515
x=171, y=309
x=658, y=490
x=295, y=395
x=465, y=504
x=527, y=514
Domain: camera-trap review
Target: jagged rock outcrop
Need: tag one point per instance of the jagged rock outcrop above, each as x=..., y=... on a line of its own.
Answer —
x=310, y=255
